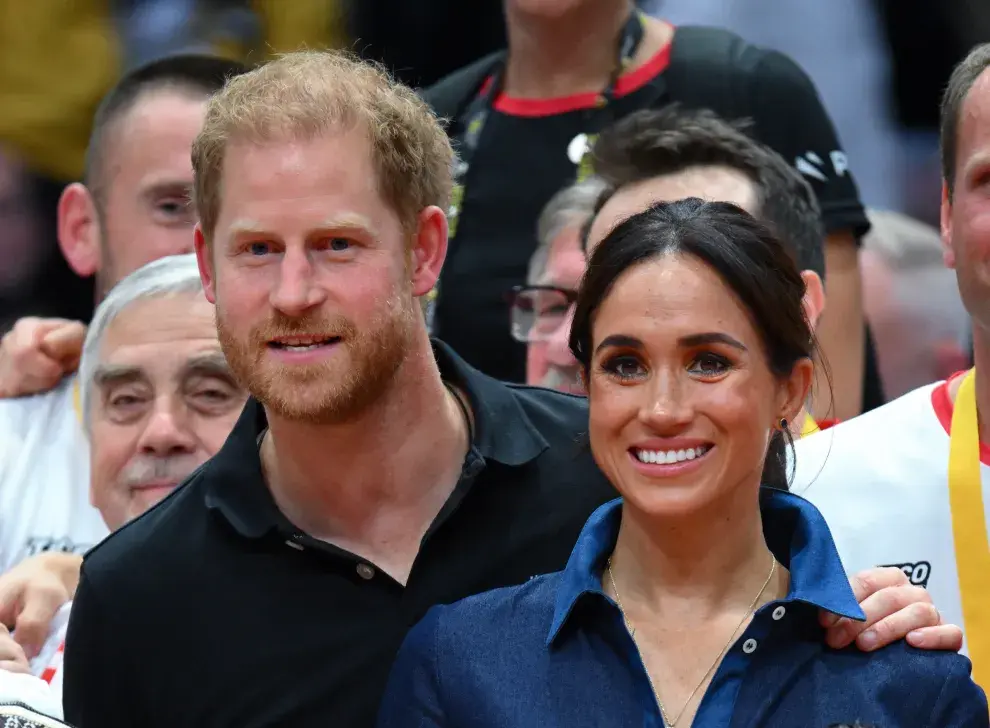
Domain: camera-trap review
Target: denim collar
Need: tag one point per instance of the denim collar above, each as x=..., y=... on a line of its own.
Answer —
x=796, y=534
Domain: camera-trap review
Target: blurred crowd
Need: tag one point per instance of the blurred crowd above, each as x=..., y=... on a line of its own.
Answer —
x=356, y=273
x=57, y=60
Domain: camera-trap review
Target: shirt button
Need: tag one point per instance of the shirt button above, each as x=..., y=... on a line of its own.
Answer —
x=778, y=614
x=365, y=571
x=749, y=646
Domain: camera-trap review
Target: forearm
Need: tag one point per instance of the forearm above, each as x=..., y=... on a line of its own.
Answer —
x=66, y=566
x=841, y=333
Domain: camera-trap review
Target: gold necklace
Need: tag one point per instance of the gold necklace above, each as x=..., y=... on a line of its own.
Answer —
x=632, y=635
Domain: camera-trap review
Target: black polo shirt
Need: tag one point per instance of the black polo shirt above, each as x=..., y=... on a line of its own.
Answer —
x=213, y=610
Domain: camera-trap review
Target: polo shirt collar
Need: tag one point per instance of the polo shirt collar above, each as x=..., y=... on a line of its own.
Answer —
x=236, y=488
x=796, y=534
x=502, y=430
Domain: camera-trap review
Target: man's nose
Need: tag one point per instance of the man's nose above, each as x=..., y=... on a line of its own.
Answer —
x=297, y=290
x=168, y=430
x=558, y=342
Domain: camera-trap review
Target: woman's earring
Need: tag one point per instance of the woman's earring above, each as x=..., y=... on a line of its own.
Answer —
x=783, y=424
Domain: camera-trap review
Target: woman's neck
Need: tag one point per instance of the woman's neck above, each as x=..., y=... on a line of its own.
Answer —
x=710, y=562
x=570, y=54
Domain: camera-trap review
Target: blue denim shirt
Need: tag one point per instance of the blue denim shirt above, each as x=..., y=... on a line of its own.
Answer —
x=555, y=652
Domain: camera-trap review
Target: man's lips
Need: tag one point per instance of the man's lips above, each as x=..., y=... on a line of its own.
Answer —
x=156, y=484
x=302, y=342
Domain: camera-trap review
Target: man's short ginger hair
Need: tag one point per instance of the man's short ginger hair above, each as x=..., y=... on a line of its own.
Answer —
x=306, y=94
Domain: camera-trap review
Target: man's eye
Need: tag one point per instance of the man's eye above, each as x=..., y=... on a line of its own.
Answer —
x=180, y=208
x=259, y=248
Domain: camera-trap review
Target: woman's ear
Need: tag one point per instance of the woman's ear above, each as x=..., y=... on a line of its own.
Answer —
x=79, y=230
x=795, y=390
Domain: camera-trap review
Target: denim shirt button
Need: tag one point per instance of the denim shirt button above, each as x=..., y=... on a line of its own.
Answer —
x=778, y=614
x=749, y=646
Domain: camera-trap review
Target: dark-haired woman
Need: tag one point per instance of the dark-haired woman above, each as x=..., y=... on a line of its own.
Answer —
x=693, y=600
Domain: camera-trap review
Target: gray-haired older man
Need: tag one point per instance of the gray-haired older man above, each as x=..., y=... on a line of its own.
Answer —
x=158, y=401
x=541, y=309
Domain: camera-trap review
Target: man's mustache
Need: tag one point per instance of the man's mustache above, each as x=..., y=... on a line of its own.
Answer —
x=284, y=326
x=152, y=469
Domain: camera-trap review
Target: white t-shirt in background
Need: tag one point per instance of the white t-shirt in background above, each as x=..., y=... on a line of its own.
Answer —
x=881, y=481
x=44, y=477
x=48, y=664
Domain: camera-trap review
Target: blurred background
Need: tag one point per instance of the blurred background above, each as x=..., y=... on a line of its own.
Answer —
x=880, y=66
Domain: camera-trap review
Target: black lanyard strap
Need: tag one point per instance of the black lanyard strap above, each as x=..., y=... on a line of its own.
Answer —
x=472, y=123
x=474, y=117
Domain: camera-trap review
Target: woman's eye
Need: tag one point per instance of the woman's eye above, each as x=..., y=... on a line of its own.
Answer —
x=709, y=365
x=623, y=367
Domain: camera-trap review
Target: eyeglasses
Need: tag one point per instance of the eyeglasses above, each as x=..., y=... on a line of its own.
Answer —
x=538, y=312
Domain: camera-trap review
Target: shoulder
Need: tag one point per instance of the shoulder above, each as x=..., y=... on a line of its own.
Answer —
x=561, y=421
x=165, y=534
x=939, y=684
x=895, y=685
x=551, y=410
x=20, y=415
x=887, y=428
x=448, y=95
x=723, y=51
x=524, y=611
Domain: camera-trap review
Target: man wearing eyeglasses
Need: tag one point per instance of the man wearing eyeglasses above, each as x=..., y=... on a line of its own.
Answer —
x=541, y=310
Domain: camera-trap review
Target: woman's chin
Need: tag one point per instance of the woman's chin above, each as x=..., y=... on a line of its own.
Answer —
x=667, y=499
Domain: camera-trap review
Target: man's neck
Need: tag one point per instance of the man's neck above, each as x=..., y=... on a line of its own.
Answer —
x=374, y=483
x=700, y=564
x=574, y=53
x=981, y=359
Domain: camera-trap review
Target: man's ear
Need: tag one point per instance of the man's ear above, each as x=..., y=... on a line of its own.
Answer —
x=945, y=225
x=79, y=230
x=814, y=297
x=428, y=250
x=205, y=262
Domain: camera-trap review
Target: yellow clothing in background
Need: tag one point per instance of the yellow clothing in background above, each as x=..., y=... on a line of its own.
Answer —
x=291, y=26
x=59, y=57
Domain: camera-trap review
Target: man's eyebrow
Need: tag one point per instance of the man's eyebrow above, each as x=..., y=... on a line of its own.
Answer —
x=112, y=374
x=160, y=187
x=210, y=364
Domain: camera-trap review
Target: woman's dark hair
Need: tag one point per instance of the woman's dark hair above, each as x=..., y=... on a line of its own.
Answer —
x=747, y=257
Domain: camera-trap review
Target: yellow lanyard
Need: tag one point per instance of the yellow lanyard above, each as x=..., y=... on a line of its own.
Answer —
x=809, y=426
x=77, y=400
x=969, y=526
